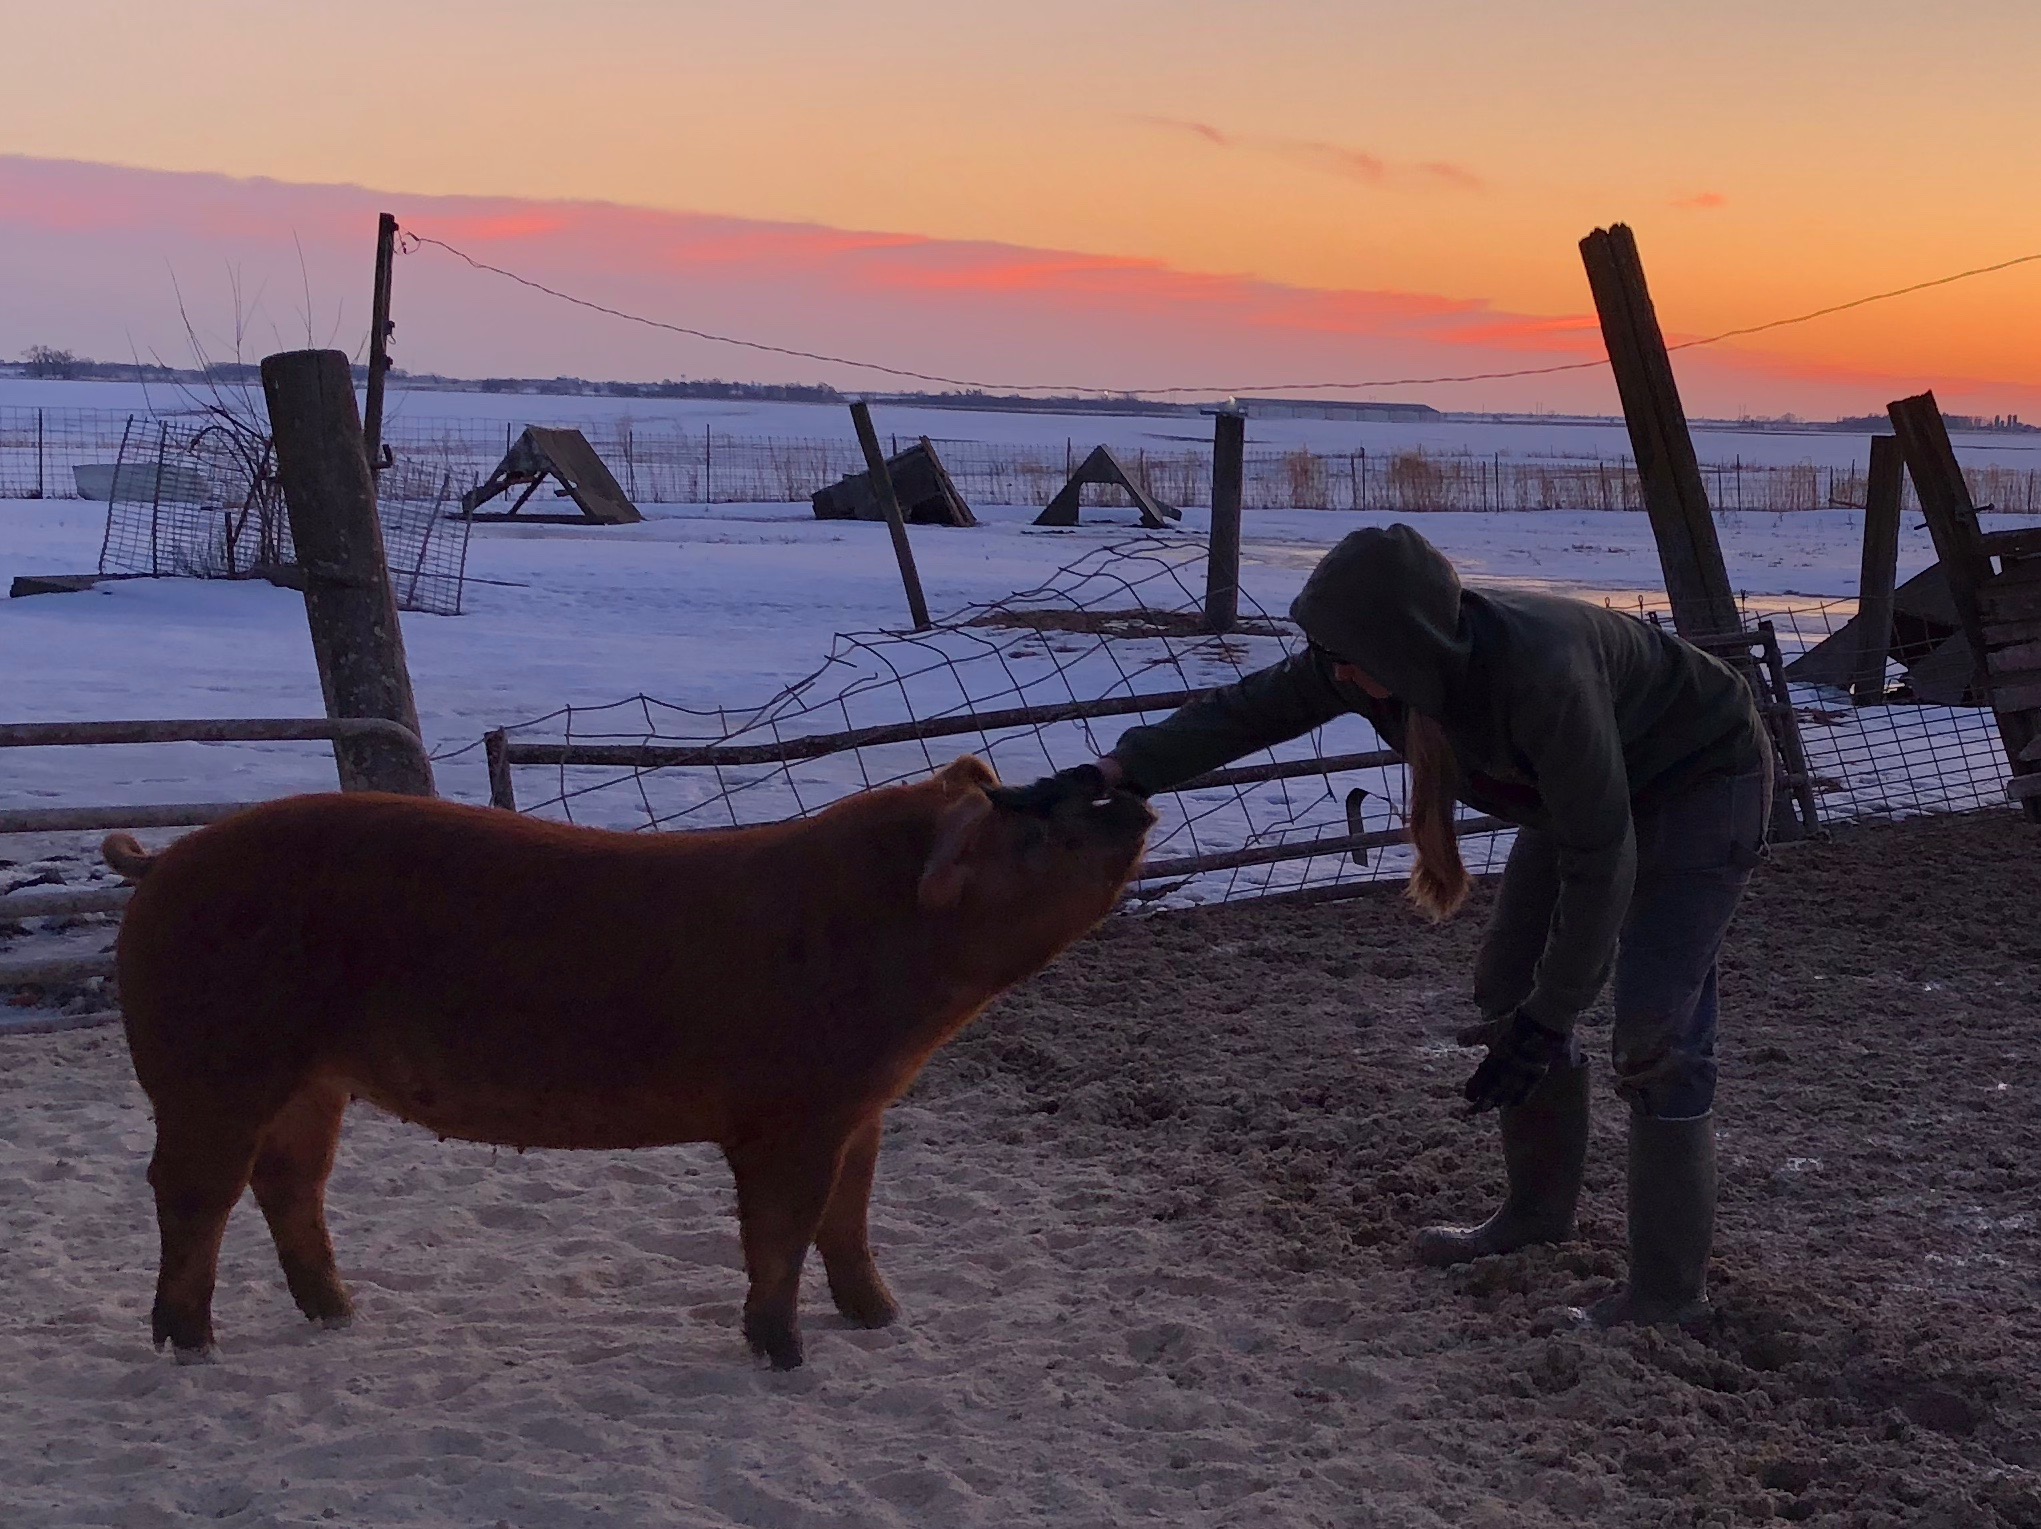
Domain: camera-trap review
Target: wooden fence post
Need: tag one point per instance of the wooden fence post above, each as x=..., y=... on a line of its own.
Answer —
x=1222, y=559
x=889, y=506
x=380, y=328
x=1703, y=604
x=1880, y=570
x=1945, y=504
x=349, y=605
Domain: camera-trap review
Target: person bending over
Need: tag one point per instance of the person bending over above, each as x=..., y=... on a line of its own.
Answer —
x=1640, y=778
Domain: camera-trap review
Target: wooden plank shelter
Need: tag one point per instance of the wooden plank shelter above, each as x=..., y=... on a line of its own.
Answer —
x=1922, y=636
x=566, y=457
x=1997, y=609
x=1103, y=467
x=920, y=482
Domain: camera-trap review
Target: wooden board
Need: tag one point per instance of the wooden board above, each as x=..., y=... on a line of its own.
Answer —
x=2009, y=602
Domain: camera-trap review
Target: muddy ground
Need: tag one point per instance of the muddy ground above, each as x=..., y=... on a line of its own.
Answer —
x=1151, y=1218
x=1279, y=1083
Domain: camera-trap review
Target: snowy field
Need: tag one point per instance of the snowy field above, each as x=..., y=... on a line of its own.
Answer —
x=697, y=607
x=1558, y=437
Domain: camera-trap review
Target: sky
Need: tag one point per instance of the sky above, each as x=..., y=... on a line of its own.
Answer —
x=1113, y=194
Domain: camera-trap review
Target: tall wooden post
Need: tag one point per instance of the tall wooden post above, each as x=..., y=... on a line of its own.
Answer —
x=380, y=329
x=349, y=604
x=1222, y=560
x=1703, y=604
x=889, y=506
x=1946, y=506
x=1880, y=570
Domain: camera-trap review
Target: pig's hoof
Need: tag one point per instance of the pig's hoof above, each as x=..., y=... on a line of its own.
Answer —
x=208, y=1353
x=868, y=1308
x=334, y=1322
x=775, y=1339
x=861, y=1296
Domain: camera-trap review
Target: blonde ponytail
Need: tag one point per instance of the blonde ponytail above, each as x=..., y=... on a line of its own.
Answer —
x=1440, y=883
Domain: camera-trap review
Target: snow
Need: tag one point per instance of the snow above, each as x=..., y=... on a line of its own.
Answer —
x=721, y=607
x=1558, y=437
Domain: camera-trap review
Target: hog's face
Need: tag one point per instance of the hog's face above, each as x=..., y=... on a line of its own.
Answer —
x=1031, y=881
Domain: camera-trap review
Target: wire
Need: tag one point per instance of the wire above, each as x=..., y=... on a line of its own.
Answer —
x=414, y=240
x=410, y=242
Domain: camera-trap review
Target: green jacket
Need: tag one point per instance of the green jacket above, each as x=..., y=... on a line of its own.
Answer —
x=1563, y=716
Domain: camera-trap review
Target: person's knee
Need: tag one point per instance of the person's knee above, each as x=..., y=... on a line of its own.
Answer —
x=1671, y=1083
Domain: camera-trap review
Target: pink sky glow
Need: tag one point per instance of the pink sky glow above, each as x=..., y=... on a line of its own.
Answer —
x=97, y=256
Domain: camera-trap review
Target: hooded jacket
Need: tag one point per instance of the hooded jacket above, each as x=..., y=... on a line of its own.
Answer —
x=1563, y=717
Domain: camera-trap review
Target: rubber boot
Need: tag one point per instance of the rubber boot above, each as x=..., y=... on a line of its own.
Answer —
x=1672, y=1224
x=1544, y=1151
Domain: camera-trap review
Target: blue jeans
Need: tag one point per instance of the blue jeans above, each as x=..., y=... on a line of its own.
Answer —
x=1695, y=854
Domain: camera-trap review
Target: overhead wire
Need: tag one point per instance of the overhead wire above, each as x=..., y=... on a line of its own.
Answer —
x=410, y=241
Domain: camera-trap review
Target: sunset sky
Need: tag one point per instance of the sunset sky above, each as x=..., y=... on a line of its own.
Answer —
x=1120, y=193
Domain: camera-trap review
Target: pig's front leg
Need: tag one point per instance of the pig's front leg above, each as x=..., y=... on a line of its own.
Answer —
x=844, y=1240
x=783, y=1183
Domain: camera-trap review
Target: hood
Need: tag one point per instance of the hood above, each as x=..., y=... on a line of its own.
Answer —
x=1387, y=600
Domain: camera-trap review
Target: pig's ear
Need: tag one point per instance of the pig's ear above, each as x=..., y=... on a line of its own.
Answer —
x=967, y=772
x=943, y=877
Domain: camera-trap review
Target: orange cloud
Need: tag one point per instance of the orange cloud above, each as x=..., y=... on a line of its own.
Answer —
x=1703, y=201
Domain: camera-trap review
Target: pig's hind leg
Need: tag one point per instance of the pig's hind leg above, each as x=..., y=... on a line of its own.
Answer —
x=844, y=1239
x=783, y=1183
x=202, y=1162
x=291, y=1169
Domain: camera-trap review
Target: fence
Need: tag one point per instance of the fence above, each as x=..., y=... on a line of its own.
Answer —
x=197, y=497
x=662, y=461
x=1025, y=681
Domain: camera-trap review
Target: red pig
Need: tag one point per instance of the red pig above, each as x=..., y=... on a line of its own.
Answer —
x=532, y=984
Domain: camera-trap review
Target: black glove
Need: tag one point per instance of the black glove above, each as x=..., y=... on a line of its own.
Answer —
x=1085, y=781
x=1520, y=1052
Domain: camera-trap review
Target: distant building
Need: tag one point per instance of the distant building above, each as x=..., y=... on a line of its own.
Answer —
x=1373, y=411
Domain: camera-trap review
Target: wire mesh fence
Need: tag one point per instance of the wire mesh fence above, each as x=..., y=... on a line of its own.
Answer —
x=1123, y=622
x=667, y=461
x=199, y=498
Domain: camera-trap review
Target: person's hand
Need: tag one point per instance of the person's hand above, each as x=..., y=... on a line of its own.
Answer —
x=1520, y=1052
x=1087, y=781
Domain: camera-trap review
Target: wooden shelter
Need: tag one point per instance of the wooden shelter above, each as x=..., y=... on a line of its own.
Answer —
x=1103, y=467
x=566, y=457
x=1923, y=636
x=920, y=482
x=1998, y=609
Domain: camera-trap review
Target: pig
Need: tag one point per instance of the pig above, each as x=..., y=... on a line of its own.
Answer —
x=503, y=979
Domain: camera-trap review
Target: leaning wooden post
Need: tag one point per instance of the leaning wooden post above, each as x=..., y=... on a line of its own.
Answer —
x=349, y=604
x=1703, y=604
x=889, y=506
x=1222, y=562
x=380, y=328
x=1880, y=570
x=1945, y=505
x=502, y=788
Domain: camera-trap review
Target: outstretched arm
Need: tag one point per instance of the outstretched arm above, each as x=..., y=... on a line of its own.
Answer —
x=1267, y=707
